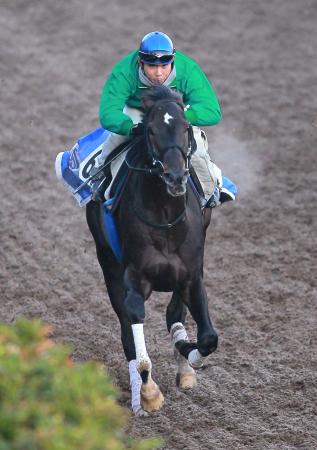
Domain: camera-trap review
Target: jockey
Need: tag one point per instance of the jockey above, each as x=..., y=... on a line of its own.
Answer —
x=156, y=62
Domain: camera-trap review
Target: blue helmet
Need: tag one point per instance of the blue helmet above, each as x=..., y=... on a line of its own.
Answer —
x=156, y=48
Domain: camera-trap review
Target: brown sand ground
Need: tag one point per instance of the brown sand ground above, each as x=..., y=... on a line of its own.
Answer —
x=258, y=391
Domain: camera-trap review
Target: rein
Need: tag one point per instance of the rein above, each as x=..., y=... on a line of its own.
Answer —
x=161, y=226
x=150, y=171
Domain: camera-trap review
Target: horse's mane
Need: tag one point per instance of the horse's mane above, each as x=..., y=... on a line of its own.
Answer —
x=161, y=93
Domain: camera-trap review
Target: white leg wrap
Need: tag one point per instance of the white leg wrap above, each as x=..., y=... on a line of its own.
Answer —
x=195, y=359
x=135, y=383
x=178, y=333
x=139, y=343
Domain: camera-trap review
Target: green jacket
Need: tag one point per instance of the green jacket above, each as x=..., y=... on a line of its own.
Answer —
x=123, y=87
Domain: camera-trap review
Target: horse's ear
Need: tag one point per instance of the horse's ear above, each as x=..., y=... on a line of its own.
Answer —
x=147, y=102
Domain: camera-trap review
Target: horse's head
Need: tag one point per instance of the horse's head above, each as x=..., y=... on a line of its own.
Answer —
x=169, y=137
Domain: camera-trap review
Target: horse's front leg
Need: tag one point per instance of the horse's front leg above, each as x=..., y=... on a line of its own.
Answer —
x=186, y=375
x=207, y=338
x=175, y=319
x=151, y=396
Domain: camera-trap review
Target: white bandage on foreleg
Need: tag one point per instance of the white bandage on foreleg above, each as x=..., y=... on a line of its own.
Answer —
x=135, y=383
x=178, y=333
x=139, y=343
x=195, y=359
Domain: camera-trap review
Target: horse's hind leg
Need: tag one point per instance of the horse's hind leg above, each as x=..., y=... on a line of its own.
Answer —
x=175, y=318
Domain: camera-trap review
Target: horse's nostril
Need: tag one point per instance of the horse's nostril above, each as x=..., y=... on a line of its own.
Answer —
x=173, y=179
x=168, y=177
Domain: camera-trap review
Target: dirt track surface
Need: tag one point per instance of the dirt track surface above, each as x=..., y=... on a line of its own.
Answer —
x=258, y=391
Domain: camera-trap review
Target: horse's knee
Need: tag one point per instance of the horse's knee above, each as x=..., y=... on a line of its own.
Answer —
x=134, y=307
x=207, y=344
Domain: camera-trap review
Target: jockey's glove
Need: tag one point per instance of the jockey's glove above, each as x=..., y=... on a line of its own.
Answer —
x=137, y=130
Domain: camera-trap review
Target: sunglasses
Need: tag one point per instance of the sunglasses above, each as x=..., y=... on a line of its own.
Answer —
x=148, y=58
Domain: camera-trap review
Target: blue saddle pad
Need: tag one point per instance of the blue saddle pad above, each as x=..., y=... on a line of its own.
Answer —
x=110, y=206
x=229, y=190
x=72, y=167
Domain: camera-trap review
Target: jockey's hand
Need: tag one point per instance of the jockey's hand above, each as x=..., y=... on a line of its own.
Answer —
x=138, y=129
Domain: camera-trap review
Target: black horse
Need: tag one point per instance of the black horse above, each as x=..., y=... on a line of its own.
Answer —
x=162, y=232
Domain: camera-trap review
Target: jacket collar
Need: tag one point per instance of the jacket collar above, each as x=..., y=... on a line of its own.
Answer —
x=144, y=79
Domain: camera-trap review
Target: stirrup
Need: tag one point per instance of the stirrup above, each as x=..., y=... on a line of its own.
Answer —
x=98, y=190
x=214, y=200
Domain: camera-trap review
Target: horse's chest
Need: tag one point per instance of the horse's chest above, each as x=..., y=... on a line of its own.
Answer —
x=165, y=272
x=167, y=246
x=165, y=266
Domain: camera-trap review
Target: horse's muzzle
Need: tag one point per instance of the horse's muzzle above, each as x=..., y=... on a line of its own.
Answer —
x=176, y=184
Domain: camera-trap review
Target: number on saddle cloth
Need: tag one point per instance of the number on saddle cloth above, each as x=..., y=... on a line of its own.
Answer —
x=73, y=166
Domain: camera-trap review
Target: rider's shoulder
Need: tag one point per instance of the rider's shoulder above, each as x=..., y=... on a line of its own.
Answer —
x=184, y=61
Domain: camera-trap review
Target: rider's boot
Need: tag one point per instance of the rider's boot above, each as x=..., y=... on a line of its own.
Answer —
x=227, y=192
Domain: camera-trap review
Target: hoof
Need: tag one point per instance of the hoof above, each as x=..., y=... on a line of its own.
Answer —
x=151, y=398
x=186, y=381
x=144, y=365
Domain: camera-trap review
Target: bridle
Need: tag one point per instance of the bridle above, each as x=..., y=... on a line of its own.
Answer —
x=155, y=159
x=157, y=167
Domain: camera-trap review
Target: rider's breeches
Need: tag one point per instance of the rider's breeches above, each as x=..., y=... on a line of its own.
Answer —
x=113, y=139
x=208, y=173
